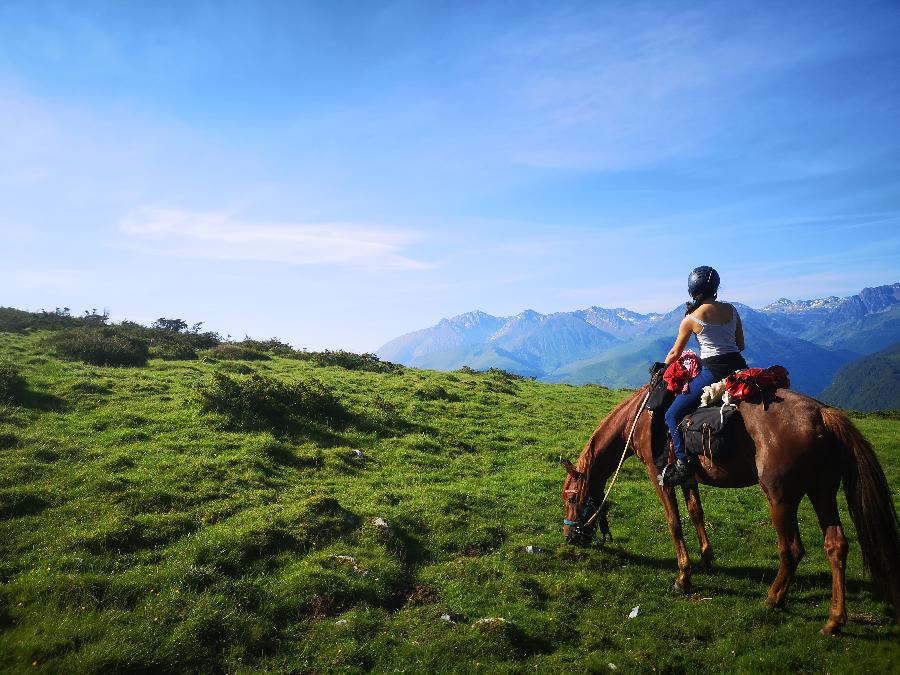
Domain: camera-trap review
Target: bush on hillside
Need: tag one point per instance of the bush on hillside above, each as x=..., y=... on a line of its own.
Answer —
x=173, y=351
x=177, y=332
x=18, y=320
x=503, y=374
x=349, y=361
x=13, y=386
x=260, y=402
x=236, y=352
x=272, y=346
x=171, y=339
x=104, y=346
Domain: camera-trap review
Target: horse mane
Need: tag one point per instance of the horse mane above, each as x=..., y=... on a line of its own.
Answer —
x=606, y=431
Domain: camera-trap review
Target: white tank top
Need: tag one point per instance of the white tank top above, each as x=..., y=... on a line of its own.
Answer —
x=717, y=338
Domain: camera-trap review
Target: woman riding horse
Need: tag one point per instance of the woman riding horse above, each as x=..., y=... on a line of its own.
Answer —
x=793, y=446
x=718, y=328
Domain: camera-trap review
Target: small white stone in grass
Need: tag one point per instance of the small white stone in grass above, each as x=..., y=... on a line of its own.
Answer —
x=340, y=622
x=634, y=612
x=357, y=453
x=533, y=549
x=612, y=666
x=492, y=620
x=447, y=618
x=346, y=558
x=381, y=524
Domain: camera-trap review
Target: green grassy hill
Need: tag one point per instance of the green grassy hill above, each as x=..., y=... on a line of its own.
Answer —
x=139, y=534
x=869, y=383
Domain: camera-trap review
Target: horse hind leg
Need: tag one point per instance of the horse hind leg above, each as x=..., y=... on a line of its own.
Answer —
x=790, y=550
x=836, y=551
x=695, y=509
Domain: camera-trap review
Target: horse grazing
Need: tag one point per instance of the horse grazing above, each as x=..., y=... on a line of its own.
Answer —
x=792, y=445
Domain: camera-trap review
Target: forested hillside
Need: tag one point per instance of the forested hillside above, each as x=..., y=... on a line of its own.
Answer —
x=871, y=383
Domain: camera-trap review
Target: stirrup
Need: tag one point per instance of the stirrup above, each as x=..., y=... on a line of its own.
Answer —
x=686, y=477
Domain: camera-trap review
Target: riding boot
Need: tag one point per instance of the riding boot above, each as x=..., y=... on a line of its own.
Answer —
x=680, y=473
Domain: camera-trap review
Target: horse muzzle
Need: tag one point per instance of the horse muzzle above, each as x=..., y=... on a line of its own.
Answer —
x=576, y=535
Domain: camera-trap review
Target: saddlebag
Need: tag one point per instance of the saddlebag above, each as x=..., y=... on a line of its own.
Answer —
x=706, y=430
x=660, y=397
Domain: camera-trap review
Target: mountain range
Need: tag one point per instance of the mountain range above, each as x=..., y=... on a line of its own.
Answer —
x=614, y=347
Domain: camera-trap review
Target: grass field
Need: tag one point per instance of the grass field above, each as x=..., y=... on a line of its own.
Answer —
x=138, y=534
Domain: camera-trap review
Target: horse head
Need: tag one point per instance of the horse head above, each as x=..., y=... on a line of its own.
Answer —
x=581, y=519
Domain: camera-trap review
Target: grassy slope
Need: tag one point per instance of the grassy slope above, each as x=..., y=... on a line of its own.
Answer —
x=136, y=536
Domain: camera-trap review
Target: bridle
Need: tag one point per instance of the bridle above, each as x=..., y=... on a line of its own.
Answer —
x=583, y=527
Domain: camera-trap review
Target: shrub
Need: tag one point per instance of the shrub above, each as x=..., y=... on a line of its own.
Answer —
x=272, y=345
x=173, y=351
x=236, y=352
x=503, y=374
x=12, y=384
x=105, y=346
x=17, y=320
x=261, y=402
x=349, y=361
x=171, y=339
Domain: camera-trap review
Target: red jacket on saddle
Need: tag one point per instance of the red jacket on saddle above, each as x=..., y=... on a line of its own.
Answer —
x=754, y=381
x=681, y=371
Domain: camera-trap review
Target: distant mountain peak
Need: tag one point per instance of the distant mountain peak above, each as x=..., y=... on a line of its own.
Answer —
x=470, y=319
x=867, y=301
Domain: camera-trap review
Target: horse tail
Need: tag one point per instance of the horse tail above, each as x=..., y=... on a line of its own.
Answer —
x=871, y=505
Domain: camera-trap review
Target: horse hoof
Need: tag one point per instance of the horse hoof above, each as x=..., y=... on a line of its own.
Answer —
x=681, y=587
x=831, y=628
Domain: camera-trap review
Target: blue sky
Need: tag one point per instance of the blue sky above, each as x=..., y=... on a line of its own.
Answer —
x=339, y=173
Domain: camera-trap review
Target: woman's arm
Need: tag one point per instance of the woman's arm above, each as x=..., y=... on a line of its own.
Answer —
x=684, y=334
x=739, y=333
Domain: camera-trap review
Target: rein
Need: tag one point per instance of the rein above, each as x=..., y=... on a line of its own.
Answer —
x=599, y=510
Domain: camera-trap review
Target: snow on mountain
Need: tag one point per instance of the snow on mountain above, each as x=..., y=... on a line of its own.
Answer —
x=518, y=322
x=870, y=300
x=620, y=322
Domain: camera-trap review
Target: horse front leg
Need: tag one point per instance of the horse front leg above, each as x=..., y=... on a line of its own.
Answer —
x=673, y=518
x=695, y=509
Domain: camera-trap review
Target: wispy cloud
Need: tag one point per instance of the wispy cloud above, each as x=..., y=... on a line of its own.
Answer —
x=635, y=87
x=220, y=236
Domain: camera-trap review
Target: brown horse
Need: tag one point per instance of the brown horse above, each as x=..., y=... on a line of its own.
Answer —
x=792, y=445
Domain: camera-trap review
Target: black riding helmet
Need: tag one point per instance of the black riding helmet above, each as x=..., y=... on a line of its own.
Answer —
x=703, y=282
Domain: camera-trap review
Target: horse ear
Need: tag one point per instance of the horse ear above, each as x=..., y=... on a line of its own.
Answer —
x=570, y=468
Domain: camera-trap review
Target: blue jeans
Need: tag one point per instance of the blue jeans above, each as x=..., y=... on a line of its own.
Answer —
x=681, y=406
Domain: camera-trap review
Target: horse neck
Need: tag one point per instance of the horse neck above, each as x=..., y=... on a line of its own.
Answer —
x=604, y=449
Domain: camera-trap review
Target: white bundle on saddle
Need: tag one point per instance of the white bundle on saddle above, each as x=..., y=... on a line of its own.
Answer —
x=713, y=393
